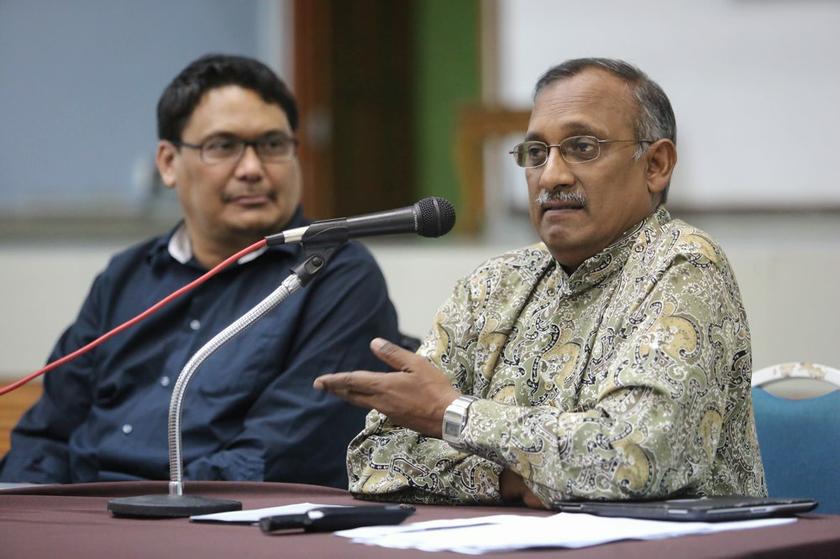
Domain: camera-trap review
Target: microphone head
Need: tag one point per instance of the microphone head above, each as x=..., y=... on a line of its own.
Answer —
x=435, y=216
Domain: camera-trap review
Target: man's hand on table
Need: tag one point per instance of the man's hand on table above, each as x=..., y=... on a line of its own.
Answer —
x=513, y=488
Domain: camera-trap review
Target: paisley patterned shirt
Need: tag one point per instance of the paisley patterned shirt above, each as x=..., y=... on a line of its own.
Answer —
x=628, y=379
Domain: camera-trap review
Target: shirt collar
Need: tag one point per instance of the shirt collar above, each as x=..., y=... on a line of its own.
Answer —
x=599, y=267
x=178, y=246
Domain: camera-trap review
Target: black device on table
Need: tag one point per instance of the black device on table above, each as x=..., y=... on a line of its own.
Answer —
x=699, y=509
x=331, y=519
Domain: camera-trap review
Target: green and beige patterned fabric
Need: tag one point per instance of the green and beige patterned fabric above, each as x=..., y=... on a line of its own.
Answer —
x=629, y=378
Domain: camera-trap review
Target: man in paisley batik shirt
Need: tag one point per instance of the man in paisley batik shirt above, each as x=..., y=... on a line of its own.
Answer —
x=610, y=361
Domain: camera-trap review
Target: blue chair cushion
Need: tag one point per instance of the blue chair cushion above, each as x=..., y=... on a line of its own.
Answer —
x=800, y=446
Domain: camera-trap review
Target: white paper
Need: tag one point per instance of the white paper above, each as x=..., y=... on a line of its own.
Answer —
x=254, y=515
x=509, y=532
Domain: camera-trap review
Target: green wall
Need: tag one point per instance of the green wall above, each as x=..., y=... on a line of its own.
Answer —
x=447, y=66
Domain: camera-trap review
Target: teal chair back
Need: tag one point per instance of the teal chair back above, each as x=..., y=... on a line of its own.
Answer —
x=800, y=446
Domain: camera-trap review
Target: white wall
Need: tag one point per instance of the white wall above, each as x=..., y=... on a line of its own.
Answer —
x=79, y=82
x=754, y=85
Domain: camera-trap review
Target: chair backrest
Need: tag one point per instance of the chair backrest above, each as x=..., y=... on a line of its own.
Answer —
x=799, y=435
x=797, y=380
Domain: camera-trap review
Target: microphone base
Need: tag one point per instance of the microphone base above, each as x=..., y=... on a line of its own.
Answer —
x=169, y=506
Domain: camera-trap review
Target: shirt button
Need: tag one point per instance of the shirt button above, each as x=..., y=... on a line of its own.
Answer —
x=195, y=324
x=127, y=429
x=164, y=381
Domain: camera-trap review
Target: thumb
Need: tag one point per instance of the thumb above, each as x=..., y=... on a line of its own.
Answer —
x=392, y=354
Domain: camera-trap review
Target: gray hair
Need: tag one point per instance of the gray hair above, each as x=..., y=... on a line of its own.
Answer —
x=655, y=119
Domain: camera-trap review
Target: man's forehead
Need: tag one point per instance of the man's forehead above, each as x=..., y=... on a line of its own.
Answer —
x=231, y=107
x=592, y=102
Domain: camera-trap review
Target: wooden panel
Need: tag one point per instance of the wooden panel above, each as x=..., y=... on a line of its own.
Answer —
x=373, y=105
x=354, y=81
x=475, y=126
x=12, y=406
x=313, y=84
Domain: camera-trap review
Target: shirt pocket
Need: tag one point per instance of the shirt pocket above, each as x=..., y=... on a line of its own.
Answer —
x=243, y=367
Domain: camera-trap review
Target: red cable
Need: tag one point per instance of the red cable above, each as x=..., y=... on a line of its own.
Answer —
x=131, y=322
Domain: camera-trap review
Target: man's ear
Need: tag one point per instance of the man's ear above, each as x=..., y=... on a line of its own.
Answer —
x=165, y=161
x=661, y=158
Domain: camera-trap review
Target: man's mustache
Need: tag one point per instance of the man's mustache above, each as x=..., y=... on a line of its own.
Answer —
x=563, y=196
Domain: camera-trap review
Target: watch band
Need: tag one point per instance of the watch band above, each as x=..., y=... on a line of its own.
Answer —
x=455, y=419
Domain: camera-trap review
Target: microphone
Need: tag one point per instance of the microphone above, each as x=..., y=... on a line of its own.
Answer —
x=430, y=217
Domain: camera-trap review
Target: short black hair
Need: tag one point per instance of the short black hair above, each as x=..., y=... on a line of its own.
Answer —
x=655, y=119
x=179, y=99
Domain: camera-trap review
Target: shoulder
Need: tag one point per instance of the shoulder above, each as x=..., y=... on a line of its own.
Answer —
x=676, y=254
x=136, y=253
x=695, y=244
x=351, y=269
x=353, y=260
x=677, y=241
x=506, y=277
x=356, y=253
x=125, y=264
x=530, y=261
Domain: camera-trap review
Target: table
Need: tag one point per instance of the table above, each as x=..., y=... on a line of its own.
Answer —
x=71, y=521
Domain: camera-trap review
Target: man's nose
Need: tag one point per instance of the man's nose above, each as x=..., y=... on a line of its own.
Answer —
x=249, y=166
x=556, y=171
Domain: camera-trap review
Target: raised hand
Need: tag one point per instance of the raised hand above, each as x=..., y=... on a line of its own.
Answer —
x=414, y=395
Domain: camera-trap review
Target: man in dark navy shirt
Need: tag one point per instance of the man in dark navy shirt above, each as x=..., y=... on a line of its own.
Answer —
x=226, y=126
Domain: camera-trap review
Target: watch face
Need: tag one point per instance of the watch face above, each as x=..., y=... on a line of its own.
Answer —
x=451, y=429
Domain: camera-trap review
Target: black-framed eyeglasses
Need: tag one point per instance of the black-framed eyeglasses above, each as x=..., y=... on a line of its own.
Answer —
x=577, y=149
x=227, y=148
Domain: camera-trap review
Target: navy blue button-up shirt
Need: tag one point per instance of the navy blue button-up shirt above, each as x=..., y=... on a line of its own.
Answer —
x=249, y=413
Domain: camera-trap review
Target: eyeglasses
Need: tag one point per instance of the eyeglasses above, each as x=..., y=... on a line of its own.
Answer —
x=225, y=149
x=577, y=149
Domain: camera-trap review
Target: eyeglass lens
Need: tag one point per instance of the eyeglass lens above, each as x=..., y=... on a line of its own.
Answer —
x=576, y=149
x=225, y=148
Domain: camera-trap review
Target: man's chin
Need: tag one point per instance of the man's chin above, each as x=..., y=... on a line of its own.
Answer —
x=559, y=233
x=257, y=223
x=565, y=244
x=255, y=229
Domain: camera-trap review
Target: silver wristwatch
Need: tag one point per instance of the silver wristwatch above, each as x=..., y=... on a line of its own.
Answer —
x=455, y=419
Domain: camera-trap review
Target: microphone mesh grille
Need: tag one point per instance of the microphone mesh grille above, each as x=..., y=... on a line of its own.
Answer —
x=435, y=216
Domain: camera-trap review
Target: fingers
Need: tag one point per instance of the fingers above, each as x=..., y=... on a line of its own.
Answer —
x=532, y=501
x=356, y=382
x=392, y=354
x=360, y=388
x=511, y=486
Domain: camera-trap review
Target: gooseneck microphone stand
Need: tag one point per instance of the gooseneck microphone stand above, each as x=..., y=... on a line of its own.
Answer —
x=176, y=504
x=430, y=217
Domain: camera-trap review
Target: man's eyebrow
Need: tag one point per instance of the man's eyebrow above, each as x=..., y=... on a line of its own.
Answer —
x=570, y=129
x=267, y=134
x=277, y=132
x=580, y=129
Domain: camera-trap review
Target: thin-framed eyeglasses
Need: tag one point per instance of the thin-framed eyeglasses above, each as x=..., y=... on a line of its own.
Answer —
x=227, y=148
x=574, y=150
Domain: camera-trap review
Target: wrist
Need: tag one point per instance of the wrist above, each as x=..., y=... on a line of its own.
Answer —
x=455, y=421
